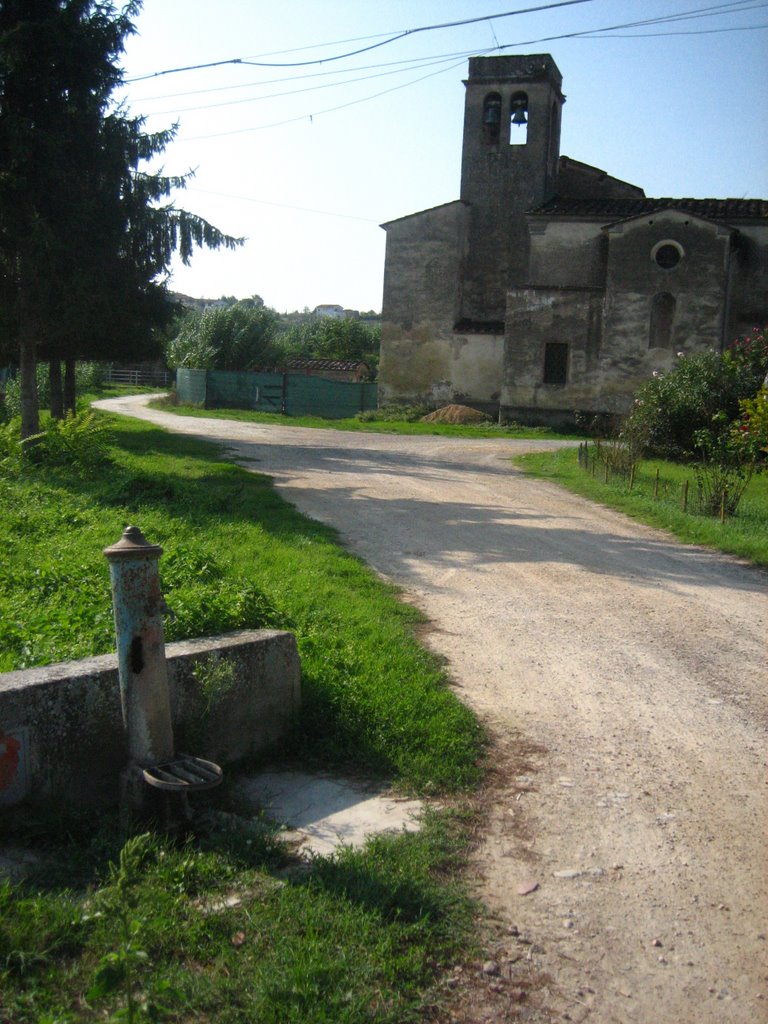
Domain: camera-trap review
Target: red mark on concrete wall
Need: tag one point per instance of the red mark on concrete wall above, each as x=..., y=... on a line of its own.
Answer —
x=9, y=760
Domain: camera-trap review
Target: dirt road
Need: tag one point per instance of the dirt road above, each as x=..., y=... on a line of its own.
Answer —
x=622, y=677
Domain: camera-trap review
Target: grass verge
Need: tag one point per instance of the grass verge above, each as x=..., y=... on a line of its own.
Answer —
x=215, y=929
x=745, y=534
x=482, y=430
x=221, y=927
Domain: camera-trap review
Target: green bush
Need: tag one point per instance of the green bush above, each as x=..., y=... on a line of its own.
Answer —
x=752, y=427
x=240, y=337
x=80, y=442
x=88, y=376
x=672, y=408
x=726, y=462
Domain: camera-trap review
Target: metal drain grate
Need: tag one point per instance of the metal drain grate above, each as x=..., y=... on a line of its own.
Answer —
x=186, y=773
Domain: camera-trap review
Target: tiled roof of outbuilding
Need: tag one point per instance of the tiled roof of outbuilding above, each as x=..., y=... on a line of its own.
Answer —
x=621, y=209
x=325, y=364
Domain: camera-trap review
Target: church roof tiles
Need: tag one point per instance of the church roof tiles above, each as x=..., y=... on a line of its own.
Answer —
x=623, y=208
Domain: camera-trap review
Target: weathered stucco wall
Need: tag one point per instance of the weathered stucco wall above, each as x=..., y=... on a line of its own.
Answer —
x=536, y=317
x=567, y=254
x=432, y=367
x=422, y=268
x=423, y=359
x=62, y=725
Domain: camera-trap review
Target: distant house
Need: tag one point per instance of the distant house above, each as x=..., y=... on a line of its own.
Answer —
x=335, y=312
x=331, y=369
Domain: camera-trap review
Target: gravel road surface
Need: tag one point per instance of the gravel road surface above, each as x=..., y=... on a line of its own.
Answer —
x=622, y=678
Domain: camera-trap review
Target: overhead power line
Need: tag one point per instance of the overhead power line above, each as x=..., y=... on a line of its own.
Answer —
x=311, y=88
x=284, y=206
x=250, y=62
x=584, y=33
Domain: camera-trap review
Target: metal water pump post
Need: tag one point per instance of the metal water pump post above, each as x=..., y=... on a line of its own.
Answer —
x=139, y=606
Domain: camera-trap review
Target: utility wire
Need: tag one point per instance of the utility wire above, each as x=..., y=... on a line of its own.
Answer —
x=308, y=88
x=364, y=49
x=585, y=33
x=712, y=11
x=413, y=62
x=686, y=32
x=328, y=110
x=283, y=206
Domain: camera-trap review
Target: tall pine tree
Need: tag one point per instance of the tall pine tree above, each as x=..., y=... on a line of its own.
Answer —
x=86, y=234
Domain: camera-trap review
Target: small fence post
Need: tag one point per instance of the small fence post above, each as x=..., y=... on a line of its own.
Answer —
x=685, y=496
x=656, y=485
x=723, y=497
x=632, y=476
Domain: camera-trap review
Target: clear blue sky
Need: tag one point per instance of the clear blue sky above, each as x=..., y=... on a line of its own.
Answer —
x=678, y=114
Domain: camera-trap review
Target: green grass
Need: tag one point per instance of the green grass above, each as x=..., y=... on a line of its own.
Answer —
x=745, y=534
x=483, y=430
x=236, y=556
x=359, y=937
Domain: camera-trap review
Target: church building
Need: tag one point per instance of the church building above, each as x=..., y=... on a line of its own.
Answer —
x=550, y=287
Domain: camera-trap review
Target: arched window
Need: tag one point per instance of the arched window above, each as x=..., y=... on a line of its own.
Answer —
x=492, y=117
x=662, y=319
x=518, y=119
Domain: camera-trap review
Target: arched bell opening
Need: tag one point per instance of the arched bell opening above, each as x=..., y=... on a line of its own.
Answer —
x=518, y=119
x=492, y=118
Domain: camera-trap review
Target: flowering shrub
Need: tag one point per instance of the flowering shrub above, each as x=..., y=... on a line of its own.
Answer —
x=751, y=429
x=672, y=407
x=751, y=353
x=725, y=464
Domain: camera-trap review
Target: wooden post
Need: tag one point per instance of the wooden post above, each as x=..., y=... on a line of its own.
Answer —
x=656, y=485
x=606, y=471
x=632, y=476
x=685, y=496
x=723, y=496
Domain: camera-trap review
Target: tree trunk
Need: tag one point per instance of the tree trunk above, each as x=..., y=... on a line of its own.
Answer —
x=70, y=396
x=57, y=395
x=30, y=413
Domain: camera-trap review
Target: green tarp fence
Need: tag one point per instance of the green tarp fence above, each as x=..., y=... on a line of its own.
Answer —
x=294, y=394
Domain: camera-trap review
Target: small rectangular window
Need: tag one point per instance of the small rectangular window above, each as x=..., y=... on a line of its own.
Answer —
x=555, y=362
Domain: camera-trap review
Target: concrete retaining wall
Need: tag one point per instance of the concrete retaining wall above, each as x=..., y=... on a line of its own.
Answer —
x=61, y=730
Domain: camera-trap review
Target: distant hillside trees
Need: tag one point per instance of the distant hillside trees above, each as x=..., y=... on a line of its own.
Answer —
x=86, y=235
x=331, y=338
x=249, y=335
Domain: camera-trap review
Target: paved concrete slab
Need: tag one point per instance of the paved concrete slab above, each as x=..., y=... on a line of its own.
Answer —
x=325, y=811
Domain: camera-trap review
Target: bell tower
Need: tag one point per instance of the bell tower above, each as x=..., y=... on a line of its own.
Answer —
x=510, y=158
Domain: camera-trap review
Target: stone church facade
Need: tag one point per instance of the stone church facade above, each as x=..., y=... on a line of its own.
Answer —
x=549, y=286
